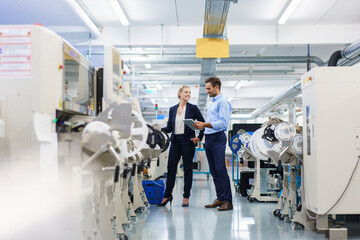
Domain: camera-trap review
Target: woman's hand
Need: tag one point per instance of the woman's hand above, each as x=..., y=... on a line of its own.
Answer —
x=195, y=140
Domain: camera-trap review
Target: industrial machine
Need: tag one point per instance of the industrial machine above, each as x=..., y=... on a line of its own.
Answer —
x=44, y=77
x=49, y=132
x=156, y=166
x=291, y=204
x=263, y=149
x=330, y=98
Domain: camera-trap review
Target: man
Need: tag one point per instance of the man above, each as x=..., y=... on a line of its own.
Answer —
x=217, y=120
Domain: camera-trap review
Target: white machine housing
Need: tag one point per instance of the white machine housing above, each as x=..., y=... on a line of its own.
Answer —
x=113, y=77
x=35, y=64
x=331, y=142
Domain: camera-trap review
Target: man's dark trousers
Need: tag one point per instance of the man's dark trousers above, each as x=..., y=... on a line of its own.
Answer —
x=215, y=145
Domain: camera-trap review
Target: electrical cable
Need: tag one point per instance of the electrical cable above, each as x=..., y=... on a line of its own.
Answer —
x=27, y=12
x=177, y=15
x=341, y=196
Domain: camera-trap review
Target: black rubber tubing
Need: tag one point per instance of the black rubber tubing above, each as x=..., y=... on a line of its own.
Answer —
x=334, y=58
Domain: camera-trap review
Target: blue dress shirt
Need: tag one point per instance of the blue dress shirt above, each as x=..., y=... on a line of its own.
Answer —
x=218, y=114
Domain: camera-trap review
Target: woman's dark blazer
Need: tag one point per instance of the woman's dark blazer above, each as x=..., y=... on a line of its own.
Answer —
x=192, y=112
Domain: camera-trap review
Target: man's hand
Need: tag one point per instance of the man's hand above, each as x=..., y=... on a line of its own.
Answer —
x=195, y=140
x=199, y=125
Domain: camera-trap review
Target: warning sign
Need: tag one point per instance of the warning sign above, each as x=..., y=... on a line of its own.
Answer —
x=15, y=52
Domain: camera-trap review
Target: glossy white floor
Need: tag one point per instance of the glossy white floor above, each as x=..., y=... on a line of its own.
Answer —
x=246, y=221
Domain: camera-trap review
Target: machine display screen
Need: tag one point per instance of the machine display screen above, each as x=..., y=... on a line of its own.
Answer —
x=116, y=63
x=78, y=79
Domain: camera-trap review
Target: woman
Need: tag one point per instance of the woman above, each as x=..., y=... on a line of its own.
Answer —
x=183, y=143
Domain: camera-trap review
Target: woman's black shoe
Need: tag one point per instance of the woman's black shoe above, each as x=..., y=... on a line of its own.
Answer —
x=164, y=203
x=186, y=204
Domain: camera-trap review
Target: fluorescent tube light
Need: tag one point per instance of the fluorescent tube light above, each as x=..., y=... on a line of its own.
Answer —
x=159, y=86
x=289, y=10
x=126, y=68
x=240, y=116
x=238, y=85
x=119, y=12
x=147, y=65
x=84, y=17
x=152, y=101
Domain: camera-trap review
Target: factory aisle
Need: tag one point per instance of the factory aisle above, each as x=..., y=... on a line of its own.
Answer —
x=246, y=221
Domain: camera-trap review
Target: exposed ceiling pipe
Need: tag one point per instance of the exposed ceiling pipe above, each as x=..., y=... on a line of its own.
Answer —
x=352, y=55
x=193, y=81
x=349, y=62
x=231, y=60
x=352, y=50
x=291, y=92
x=164, y=53
x=214, y=23
x=162, y=39
x=208, y=69
x=215, y=18
x=290, y=72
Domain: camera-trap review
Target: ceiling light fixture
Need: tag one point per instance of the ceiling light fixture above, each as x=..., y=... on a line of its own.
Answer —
x=159, y=86
x=126, y=69
x=139, y=49
x=239, y=84
x=289, y=10
x=152, y=101
x=95, y=32
x=147, y=65
x=119, y=12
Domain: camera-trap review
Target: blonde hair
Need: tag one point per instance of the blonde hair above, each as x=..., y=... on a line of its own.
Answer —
x=182, y=89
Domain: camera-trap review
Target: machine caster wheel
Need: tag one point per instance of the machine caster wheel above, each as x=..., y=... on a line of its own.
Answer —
x=281, y=217
x=276, y=212
x=127, y=227
x=251, y=199
x=133, y=219
x=294, y=225
x=122, y=236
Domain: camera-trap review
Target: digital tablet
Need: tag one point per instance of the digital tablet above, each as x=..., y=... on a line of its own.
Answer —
x=189, y=123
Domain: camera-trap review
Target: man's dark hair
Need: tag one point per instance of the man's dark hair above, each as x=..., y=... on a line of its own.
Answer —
x=214, y=81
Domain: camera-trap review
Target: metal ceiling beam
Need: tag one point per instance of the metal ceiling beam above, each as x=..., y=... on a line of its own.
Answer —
x=214, y=24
